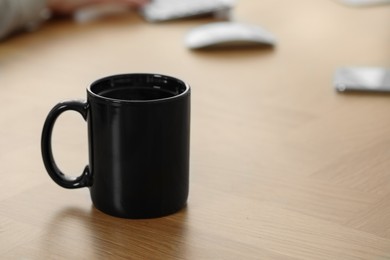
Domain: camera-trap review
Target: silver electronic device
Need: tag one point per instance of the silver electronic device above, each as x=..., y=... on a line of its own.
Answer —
x=376, y=79
x=362, y=3
x=165, y=10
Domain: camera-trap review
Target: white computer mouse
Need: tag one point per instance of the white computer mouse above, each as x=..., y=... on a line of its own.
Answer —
x=228, y=34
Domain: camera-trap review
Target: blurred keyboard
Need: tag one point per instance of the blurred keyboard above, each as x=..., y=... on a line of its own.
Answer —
x=165, y=10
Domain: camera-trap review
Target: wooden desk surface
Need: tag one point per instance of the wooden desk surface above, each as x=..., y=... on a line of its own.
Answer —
x=282, y=166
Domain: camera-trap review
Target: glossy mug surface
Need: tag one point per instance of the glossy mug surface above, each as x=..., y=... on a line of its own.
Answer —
x=139, y=140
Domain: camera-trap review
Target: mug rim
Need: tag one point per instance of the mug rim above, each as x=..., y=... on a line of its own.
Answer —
x=98, y=97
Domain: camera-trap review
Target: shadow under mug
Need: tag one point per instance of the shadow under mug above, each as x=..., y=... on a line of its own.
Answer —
x=139, y=140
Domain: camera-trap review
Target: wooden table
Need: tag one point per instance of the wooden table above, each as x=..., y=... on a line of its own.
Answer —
x=282, y=166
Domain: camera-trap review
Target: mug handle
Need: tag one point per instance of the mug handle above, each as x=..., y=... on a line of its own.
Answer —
x=85, y=179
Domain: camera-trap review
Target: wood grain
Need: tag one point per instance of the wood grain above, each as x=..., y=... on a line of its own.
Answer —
x=282, y=166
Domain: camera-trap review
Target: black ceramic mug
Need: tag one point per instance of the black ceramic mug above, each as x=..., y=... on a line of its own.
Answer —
x=139, y=134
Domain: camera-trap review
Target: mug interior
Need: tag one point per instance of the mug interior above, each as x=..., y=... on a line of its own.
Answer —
x=138, y=87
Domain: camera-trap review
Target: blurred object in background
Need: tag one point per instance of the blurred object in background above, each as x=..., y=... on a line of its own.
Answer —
x=365, y=2
x=362, y=79
x=95, y=12
x=165, y=10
